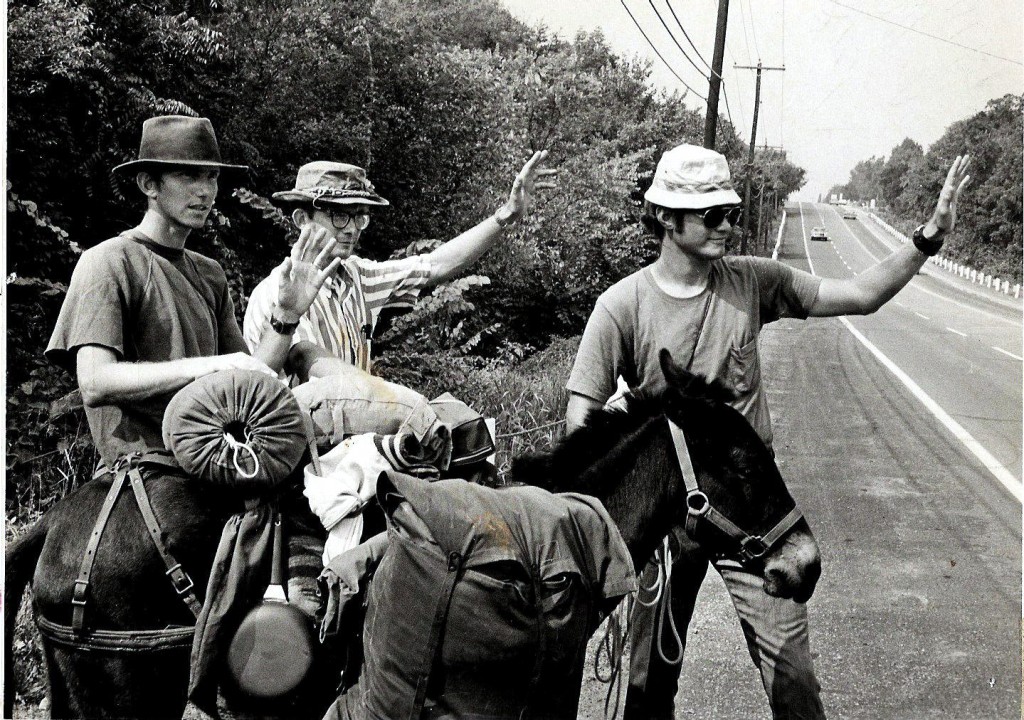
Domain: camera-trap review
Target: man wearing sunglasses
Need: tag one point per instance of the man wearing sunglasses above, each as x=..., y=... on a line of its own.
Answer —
x=708, y=310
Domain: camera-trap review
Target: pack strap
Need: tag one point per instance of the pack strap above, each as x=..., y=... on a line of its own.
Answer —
x=456, y=560
x=128, y=468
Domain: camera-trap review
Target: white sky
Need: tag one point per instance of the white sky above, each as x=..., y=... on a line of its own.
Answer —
x=853, y=87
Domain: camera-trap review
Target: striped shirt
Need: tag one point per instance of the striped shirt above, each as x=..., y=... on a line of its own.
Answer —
x=345, y=312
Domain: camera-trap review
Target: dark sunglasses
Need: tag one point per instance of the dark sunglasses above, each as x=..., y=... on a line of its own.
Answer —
x=713, y=216
x=340, y=219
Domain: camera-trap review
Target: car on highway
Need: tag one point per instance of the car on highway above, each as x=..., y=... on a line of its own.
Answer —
x=849, y=214
x=819, y=233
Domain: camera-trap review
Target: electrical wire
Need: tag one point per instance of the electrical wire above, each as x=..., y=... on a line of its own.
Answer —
x=753, y=28
x=782, y=91
x=658, y=53
x=687, y=36
x=746, y=40
x=660, y=19
x=922, y=32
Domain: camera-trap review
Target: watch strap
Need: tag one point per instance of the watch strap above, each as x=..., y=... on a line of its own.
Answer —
x=928, y=246
x=281, y=327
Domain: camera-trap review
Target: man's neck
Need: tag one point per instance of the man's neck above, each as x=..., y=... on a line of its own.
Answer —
x=162, y=231
x=679, y=274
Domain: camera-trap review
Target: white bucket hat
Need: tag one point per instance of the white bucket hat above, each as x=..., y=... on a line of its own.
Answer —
x=690, y=177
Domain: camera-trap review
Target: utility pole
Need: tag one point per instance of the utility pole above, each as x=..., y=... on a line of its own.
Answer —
x=750, y=154
x=715, y=81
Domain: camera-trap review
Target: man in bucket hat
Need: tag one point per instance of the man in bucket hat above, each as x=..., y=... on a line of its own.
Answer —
x=144, y=316
x=338, y=198
x=709, y=308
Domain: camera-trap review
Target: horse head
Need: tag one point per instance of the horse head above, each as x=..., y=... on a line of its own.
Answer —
x=628, y=460
x=741, y=507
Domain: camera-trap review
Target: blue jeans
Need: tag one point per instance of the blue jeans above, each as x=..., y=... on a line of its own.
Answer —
x=776, y=632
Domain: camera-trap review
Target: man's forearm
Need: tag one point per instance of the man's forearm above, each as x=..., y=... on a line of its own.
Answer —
x=105, y=381
x=459, y=253
x=880, y=283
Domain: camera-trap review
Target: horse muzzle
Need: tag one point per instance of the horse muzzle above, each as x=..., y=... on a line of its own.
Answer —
x=792, y=569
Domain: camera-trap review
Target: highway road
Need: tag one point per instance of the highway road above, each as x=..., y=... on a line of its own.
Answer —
x=900, y=436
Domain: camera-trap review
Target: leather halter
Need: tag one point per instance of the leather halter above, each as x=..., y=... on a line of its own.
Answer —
x=752, y=548
x=128, y=467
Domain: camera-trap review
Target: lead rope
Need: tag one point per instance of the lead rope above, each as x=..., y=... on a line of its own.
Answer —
x=613, y=645
x=235, y=445
x=666, y=609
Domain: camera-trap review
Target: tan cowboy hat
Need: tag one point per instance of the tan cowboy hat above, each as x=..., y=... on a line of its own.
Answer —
x=324, y=182
x=177, y=140
x=690, y=177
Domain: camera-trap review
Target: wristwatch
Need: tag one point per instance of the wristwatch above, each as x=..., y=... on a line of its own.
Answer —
x=282, y=327
x=929, y=246
x=503, y=216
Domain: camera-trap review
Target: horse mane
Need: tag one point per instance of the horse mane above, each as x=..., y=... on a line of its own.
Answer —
x=595, y=454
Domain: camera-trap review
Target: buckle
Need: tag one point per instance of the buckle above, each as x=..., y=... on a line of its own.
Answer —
x=177, y=575
x=761, y=549
x=78, y=596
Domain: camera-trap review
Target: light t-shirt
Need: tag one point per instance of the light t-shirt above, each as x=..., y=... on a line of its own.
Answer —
x=147, y=303
x=345, y=312
x=635, y=318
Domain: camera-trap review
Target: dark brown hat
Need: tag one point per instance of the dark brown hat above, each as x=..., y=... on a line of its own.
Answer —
x=178, y=140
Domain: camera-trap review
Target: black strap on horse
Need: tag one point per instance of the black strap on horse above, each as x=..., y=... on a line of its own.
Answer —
x=128, y=468
x=698, y=507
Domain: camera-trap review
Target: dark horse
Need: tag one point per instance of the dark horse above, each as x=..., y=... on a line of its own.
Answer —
x=628, y=461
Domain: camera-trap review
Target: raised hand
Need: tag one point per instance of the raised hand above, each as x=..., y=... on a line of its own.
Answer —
x=957, y=178
x=304, y=272
x=530, y=179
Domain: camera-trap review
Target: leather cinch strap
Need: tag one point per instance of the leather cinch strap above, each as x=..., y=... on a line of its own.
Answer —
x=128, y=467
x=752, y=547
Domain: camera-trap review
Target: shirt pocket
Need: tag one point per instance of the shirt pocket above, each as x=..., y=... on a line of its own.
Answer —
x=744, y=371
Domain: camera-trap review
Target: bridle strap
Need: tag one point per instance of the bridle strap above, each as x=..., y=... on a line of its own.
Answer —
x=752, y=547
x=127, y=467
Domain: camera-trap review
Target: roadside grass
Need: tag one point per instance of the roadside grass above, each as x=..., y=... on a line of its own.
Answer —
x=527, y=400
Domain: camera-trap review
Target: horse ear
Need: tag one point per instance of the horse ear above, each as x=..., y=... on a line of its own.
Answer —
x=676, y=376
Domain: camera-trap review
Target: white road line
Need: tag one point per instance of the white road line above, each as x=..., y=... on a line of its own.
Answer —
x=921, y=316
x=991, y=464
x=957, y=332
x=1003, y=475
x=1007, y=352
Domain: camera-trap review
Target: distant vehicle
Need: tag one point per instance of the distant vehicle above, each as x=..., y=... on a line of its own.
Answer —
x=849, y=214
x=819, y=233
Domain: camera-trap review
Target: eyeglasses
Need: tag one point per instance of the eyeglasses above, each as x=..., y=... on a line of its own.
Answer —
x=340, y=219
x=714, y=216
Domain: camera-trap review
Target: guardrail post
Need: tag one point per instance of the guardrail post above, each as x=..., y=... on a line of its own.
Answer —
x=1006, y=287
x=988, y=280
x=1016, y=290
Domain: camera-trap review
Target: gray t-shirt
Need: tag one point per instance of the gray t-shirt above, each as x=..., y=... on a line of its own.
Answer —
x=635, y=318
x=147, y=303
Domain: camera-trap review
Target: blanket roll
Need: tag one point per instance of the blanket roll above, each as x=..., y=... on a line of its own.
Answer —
x=240, y=428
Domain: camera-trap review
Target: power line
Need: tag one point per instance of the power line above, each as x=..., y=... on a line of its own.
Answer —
x=922, y=32
x=753, y=27
x=746, y=40
x=739, y=97
x=687, y=36
x=671, y=70
x=662, y=21
x=782, y=104
x=728, y=111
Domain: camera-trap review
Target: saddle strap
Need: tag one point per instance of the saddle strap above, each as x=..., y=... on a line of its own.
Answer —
x=128, y=468
x=179, y=578
x=81, y=591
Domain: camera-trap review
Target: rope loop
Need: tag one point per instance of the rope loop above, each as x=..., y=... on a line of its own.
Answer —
x=235, y=445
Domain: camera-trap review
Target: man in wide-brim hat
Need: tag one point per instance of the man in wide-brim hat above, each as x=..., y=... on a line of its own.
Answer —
x=338, y=198
x=709, y=307
x=144, y=316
